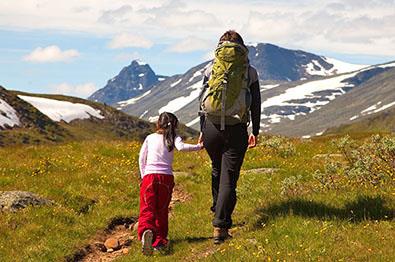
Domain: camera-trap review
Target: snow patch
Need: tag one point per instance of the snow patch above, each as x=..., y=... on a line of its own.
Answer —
x=253, y=44
x=58, y=110
x=176, y=83
x=132, y=100
x=8, y=116
x=311, y=69
x=143, y=114
x=140, y=86
x=196, y=74
x=267, y=87
x=370, y=108
x=141, y=75
x=340, y=67
x=387, y=65
x=373, y=109
x=303, y=91
x=140, y=62
x=161, y=78
x=179, y=102
x=153, y=119
x=354, y=117
x=194, y=121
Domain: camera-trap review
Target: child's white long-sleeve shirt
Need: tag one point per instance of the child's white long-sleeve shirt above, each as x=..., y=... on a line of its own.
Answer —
x=154, y=157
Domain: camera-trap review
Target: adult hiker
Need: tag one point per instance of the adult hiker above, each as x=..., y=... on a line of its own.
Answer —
x=229, y=101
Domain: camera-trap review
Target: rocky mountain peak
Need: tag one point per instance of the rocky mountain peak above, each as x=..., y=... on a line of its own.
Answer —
x=132, y=80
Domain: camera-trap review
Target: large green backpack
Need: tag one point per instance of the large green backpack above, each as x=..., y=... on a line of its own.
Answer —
x=227, y=97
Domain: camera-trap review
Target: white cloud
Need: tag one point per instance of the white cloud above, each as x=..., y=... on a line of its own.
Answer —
x=116, y=15
x=80, y=90
x=363, y=25
x=125, y=40
x=191, y=44
x=51, y=54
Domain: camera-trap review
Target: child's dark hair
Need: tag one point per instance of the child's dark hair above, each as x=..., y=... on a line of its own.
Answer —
x=167, y=124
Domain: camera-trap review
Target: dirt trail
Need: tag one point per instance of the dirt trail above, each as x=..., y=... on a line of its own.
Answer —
x=120, y=231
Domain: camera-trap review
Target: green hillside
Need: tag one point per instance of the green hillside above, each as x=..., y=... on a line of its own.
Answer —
x=37, y=128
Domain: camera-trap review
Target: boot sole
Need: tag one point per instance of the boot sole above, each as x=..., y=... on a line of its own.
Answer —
x=146, y=241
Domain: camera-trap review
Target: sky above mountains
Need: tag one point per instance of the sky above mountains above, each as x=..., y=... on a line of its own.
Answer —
x=73, y=47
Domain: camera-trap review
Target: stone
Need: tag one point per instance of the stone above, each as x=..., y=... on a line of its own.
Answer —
x=112, y=243
x=125, y=251
x=15, y=200
x=101, y=247
x=135, y=226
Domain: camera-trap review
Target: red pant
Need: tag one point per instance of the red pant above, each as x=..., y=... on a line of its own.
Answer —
x=155, y=196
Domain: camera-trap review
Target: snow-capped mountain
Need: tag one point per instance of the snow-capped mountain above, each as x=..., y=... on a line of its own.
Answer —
x=178, y=93
x=279, y=69
x=273, y=63
x=296, y=87
x=132, y=81
x=276, y=63
x=369, y=94
x=284, y=105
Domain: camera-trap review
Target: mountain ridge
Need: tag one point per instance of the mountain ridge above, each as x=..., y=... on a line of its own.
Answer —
x=131, y=81
x=43, y=118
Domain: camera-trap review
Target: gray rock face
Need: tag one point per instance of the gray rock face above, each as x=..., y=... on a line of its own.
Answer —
x=15, y=200
x=132, y=81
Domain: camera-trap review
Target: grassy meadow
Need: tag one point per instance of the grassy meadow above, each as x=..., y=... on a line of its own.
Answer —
x=311, y=205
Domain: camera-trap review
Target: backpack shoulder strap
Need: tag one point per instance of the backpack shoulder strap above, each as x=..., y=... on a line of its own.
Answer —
x=252, y=75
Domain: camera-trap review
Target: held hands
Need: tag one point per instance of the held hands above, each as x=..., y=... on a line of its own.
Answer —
x=200, y=141
x=252, y=141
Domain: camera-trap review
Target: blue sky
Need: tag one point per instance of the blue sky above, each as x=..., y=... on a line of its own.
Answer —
x=74, y=47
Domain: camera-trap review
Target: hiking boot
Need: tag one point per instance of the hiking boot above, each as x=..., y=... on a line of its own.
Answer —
x=146, y=242
x=162, y=248
x=220, y=235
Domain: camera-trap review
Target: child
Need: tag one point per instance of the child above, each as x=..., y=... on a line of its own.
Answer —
x=155, y=160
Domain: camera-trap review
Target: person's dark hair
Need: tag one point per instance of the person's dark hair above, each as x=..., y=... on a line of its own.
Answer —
x=232, y=36
x=166, y=125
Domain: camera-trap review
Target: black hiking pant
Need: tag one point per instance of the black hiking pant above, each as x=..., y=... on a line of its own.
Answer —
x=226, y=150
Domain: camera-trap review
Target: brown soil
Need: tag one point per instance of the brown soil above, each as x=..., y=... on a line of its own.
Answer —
x=122, y=229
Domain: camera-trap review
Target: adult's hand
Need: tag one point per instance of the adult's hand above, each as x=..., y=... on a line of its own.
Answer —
x=252, y=141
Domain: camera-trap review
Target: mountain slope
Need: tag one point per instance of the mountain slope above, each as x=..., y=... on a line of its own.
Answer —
x=373, y=96
x=276, y=63
x=273, y=63
x=172, y=95
x=284, y=105
x=53, y=118
x=132, y=80
x=383, y=122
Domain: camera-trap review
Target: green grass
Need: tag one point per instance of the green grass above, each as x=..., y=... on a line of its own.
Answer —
x=95, y=181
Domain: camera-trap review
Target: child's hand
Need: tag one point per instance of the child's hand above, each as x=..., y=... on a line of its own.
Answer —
x=200, y=141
